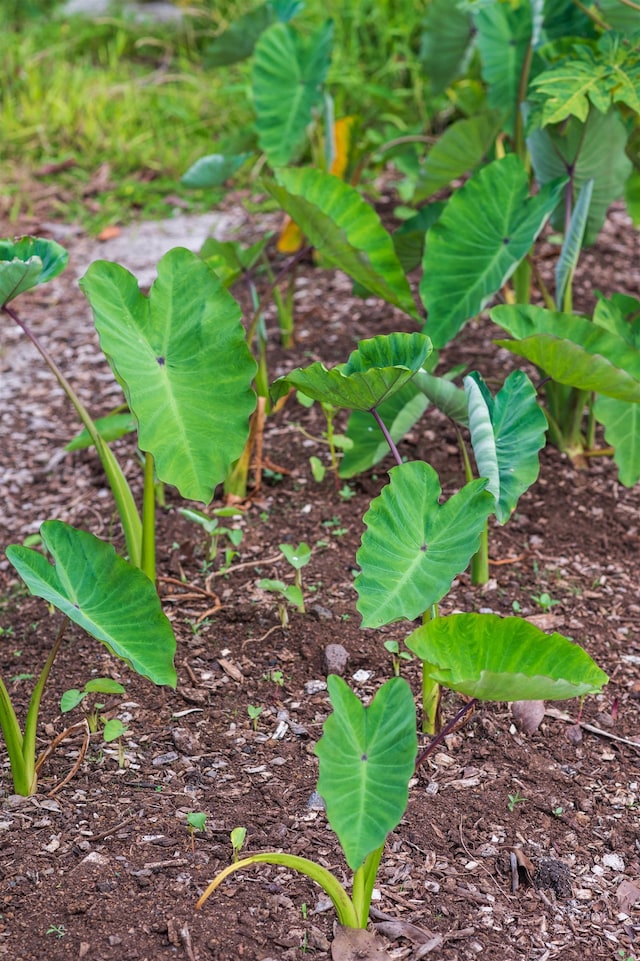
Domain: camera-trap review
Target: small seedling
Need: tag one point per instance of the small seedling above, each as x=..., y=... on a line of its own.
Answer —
x=317, y=469
x=196, y=821
x=396, y=655
x=238, y=836
x=58, y=929
x=544, y=600
x=254, y=713
x=113, y=731
x=99, y=685
x=298, y=557
x=215, y=532
x=514, y=800
x=557, y=811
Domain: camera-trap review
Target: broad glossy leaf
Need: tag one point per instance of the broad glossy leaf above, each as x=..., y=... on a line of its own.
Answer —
x=461, y=147
x=504, y=659
x=346, y=230
x=619, y=15
x=448, y=398
x=182, y=358
x=367, y=756
x=286, y=80
x=596, y=153
x=572, y=244
x=620, y=314
x=445, y=43
x=238, y=42
x=507, y=432
x=98, y=590
x=413, y=546
x=621, y=424
x=376, y=369
x=213, y=170
x=110, y=428
x=408, y=240
x=28, y=262
x=486, y=229
x=572, y=350
x=399, y=413
x=503, y=39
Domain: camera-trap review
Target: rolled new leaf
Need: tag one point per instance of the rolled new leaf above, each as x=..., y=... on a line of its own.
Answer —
x=28, y=262
x=497, y=658
x=376, y=369
x=414, y=546
x=367, y=757
x=98, y=590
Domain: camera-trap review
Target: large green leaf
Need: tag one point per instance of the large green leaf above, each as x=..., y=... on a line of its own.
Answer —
x=213, y=170
x=619, y=15
x=445, y=42
x=376, y=369
x=98, y=590
x=448, y=398
x=621, y=424
x=572, y=350
x=286, y=79
x=346, y=230
x=239, y=40
x=399, y=413
x=507, y=432
x=414, y=546
x=503, y=39
x=461, y=147
x=486, y=229
x=367, y=756
x=181, y=356
x=504, y=659
x=28, y=262
x=591, y=151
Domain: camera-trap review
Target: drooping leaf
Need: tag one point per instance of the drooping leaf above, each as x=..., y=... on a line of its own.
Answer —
x=110, y=428
x=445, y=43
x=444, y=394
x=572, y=350
x=504, y=659
x=213, y=170
x=460, y=148
x=346, y=230
x=413, y=546
x=375, y=370
x=286, y=79
x=507, y=433
x=399, y=413
x=98, y=590
x=182, y=358
x=486, y=229
x=367, y=756
x=238, y=42
x=28, y=262
x=408, y=240
x=621, y=424
x=503, y=39
x=572, y=244
x=592, y=152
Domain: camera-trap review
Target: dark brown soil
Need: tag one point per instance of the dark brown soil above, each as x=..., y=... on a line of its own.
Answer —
x=106, y=867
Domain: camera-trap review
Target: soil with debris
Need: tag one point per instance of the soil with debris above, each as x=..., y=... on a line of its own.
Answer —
x=513, y=845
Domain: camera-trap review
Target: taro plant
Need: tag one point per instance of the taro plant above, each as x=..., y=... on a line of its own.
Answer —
x=97, y=685
x=108, y=598
x=216, y=532
x=367, y=755
x=179, y=355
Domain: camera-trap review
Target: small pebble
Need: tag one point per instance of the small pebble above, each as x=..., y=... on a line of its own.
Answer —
x=335, y=659
x=316, y=802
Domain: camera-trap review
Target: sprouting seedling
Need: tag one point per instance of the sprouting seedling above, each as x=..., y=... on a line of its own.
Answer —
x=98, y=685
x=114, y=729
x=515, y=799
x=238, y=837
x=544, y=600
x=298, y=557
x=196, y=821
x=110, y=599
x=254, y=713
x=397, y=656
x=214, y=531
x=286, y=594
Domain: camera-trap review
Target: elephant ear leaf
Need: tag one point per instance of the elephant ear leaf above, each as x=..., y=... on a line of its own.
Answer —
x=110, y=599
x=27, y=263
x=346, y=230
x=367, y=756
x=414, y=546
x=507, y=432
x=497, y=658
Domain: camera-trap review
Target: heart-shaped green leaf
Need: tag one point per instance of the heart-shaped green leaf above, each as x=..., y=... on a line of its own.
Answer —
x=28, y=262
x=503, y=659
x=572, y=350
x=98, y=590
x=486, y=229
x=346, y=230
x=376, y=370
x=506, y=434
x=367, y=757
x=181, y=356
x=414, y=546
x=504, y=35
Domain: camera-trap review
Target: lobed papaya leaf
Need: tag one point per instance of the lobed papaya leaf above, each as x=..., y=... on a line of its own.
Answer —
x=367, y=756
x=498, y=658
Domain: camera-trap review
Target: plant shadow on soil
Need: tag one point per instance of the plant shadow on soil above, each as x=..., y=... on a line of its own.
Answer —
x=106, y=868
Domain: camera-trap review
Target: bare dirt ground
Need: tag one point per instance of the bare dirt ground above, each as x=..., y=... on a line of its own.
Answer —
x=106, y=867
